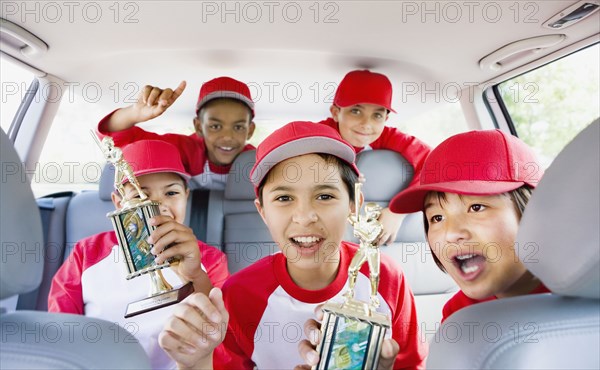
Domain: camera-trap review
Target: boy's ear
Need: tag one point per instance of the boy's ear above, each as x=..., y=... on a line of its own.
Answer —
x=198, y=126
x=251, y=128
x=116, y=199
x=335, y=110
x=260, y=210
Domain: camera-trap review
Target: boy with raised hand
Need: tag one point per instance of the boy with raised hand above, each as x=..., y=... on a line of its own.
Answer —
x=304, y=180
x=359, y=112
x=223, y=124
x=92, y=281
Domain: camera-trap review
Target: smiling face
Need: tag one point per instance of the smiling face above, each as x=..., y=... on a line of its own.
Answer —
x=305, y=205
x=167, y=188
x=225, y=125
x=473, y=237
x=360, y=124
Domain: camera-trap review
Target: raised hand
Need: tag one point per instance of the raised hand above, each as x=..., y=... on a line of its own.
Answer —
x=154, y=101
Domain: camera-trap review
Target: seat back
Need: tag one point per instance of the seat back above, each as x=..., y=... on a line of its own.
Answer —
x=87, y=211
x=35, y=339
x=558, y=242
x=246, y=238
x=387, y=173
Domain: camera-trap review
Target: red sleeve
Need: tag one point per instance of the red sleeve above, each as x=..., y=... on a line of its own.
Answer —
x=246, y=296
x=242, y=324
x=406, y=331
x=191, y=148
x=414, y=150
x=459, y=301
x=124, y=137
x=66, y=294
x=215, y=263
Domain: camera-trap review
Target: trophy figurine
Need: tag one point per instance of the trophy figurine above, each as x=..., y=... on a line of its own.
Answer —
x=132, y=227
x=353, y=331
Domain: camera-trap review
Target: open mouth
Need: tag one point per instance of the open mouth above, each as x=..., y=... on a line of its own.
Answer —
x=306, y=244
x=470, y=265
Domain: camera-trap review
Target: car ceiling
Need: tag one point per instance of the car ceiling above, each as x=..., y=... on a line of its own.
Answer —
x=273, y=46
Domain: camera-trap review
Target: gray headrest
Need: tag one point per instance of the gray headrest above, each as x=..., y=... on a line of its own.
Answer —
x=386, y=173
x=238, y=185
x=107, y=182
x=20, y=227
x=558, y=237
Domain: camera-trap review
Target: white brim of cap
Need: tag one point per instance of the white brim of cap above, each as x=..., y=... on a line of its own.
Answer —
x=306, y=145
x=225, y=94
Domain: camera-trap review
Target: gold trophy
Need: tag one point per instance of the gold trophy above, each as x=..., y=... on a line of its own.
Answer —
x=353, y=331
x=132, y=226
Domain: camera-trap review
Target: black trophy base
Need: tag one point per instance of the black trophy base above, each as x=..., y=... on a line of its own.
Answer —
x=159, y=300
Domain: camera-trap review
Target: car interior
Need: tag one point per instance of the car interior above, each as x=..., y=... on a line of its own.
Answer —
x=530, y=68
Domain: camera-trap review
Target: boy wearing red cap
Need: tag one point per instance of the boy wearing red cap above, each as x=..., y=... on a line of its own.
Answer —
x=92, y=281
x=359, y=112
x=223, y=124
x=473, y=190
x=304, y=181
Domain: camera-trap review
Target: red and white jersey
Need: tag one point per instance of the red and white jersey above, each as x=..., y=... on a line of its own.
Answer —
x=267, y=312
x=205, y=174
x=461, y=300
x=92, y=282
x=412, y=149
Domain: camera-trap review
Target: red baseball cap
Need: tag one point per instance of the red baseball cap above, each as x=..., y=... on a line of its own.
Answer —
x=154, y=156
x=486, y=162
x=364, y=87
x=224, y=87
x=295, y=139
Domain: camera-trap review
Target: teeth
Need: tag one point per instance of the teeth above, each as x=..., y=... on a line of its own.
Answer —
x=468, y=270
x=306, y=239
x=228, y=148
x=465, y=257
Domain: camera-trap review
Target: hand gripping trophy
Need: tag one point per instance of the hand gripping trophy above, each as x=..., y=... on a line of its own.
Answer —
x=353, y=331
x=132, y=226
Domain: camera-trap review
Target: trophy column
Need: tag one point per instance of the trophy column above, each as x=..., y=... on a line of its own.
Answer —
x=353, y=331
x=132, y=227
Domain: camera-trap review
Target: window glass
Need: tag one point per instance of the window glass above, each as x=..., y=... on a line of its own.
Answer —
x=436, y=124
x=552, y=104
x=14, y=80
x=70, y=159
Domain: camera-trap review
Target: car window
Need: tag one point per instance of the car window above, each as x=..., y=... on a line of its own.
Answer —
x=550, y=105
x=70, y=159
x=15, y=81
x=433, y=126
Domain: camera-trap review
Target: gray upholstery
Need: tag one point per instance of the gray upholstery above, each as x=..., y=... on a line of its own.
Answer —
x=107, y=182
x=35, y=339
x=20, y=227
x=87, y=211
x=528, y=332
x=246, y=238
x=42, y=340
x=568, y=203
x=558, y=242
x=386, y=173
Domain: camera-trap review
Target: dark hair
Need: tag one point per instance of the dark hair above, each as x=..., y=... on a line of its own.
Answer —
x=519, y=197
x=349, y=177
x=216, y=101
